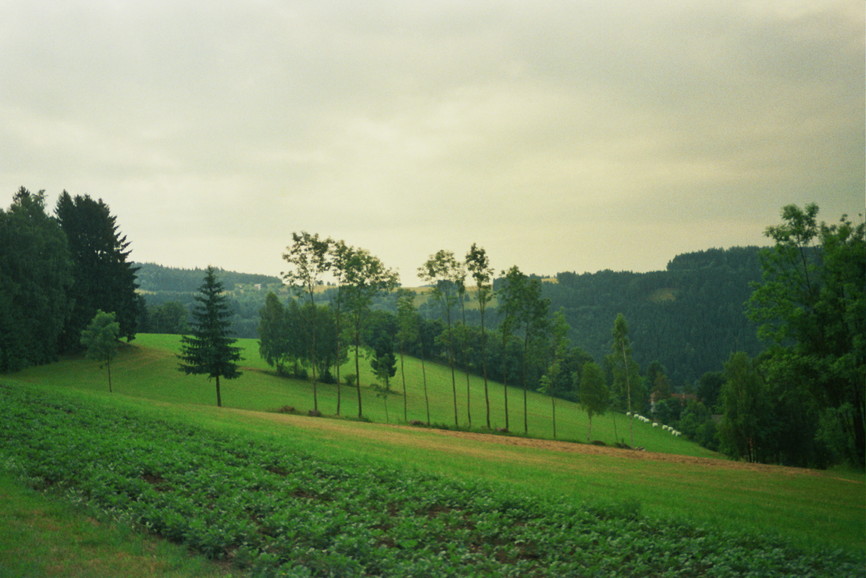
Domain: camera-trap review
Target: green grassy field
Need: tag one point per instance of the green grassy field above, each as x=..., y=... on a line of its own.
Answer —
x=808, y=508
x=148, y=368
x=41, y=536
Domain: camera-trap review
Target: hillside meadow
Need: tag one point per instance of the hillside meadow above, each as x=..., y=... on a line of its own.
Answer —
x=148, y=368
x=672, y=482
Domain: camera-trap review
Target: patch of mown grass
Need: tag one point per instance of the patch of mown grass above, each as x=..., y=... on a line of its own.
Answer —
x=270, y=508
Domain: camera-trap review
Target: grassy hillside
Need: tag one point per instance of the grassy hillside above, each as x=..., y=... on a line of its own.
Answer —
x=148, y=368
x=806, y=505
x=357, y=495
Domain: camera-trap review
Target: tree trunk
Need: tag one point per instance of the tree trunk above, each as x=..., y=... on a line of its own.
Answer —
x=219, y=397
x=523, y=381
x=358, y=374
x=403, y=376
x=108, y=365
x=484, y=366
x=424, y=379
x=505, y=393
x=465, y=363
x=628, y=395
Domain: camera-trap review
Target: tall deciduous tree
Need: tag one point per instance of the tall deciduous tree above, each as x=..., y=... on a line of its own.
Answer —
x=811, y=305
x=525, y=313
x=340, y=255
x=479, y=267
x=307, y=257
x=100, y=339
x=365, y=277
x=407, y=335
x=594, y=395
x=35, y=277
x=559, y=346
x=104, y=278
x=381, y=341
x=445, y=273
x=625, y=371
x=210, y=349
x=275, y=335
x=746, y=409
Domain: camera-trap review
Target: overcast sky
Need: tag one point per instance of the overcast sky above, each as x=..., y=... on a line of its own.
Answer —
x=559, y=135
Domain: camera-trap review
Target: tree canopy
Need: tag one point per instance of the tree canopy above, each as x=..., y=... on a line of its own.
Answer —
x=103, y=276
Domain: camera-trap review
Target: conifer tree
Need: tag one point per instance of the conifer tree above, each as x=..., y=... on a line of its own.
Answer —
x=210, y=350
x=103, y=277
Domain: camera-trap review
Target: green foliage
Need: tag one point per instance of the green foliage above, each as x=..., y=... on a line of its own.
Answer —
x=478, y=266
x=99, y=339
x=689, y=317
x=381, y=341
x=268, y=510
x=35, y=279
x=447, y=276
x=170, y=317
x=209, y=350
x=811, y=304
x=525, y=314
x=743, y=430
x=104, y=278
x=594, y=395
x=364, y=277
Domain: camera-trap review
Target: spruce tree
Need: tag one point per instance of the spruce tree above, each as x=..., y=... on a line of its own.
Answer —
x=104, y=279
x=210, y=350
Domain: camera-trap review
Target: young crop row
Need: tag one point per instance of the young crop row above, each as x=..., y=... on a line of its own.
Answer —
x=272, y=512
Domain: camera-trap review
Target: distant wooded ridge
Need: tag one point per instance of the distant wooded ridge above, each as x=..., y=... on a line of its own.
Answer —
x=688, y=317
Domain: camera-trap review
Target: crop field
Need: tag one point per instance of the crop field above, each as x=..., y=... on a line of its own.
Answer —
x=261, y=492
x=249, y=500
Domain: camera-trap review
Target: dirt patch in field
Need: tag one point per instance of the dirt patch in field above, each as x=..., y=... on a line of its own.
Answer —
x=481, y=443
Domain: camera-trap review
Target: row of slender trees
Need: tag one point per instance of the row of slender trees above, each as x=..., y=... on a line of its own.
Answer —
x=312, y=334
x=801, y=402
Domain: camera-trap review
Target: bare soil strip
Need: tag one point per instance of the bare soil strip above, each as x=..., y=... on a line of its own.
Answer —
x=407, y=435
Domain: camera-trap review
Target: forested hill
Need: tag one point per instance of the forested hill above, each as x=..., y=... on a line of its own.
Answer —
x=158, y=279
x=689, y=317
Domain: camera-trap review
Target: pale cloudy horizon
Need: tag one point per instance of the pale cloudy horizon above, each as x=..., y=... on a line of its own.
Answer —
x=559, y=136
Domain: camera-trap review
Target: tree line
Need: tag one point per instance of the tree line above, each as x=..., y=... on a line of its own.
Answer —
x=66, y=283
x=689, y=317
x=56, y=271
x=799, y=401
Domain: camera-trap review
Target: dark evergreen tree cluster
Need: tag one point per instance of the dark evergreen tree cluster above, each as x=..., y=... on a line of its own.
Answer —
x=102, y=276
x=56, y=272
x=690, y=317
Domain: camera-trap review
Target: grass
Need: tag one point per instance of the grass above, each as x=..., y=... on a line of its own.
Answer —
x=259, y=490
x=808, y=508
x=41, y=536
x=148, y=368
